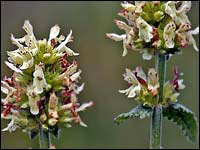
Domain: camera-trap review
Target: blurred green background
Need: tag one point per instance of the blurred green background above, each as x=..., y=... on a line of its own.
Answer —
x=103, y=66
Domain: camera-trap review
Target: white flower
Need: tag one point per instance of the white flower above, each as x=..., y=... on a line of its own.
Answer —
x=116, y=37
x=63, y=48
x=11, y=126
x=54, y=32
x=146, y=55
x=145, y=30
x=135, y=88
x=139, y=5
x=191, y=38
x=25, y=52
x=52, y=108
x=128, y=6
x=13, y=67
x=169, y=34
x=75, y=76
x=178, y=16
x=15, y=57
x=185, y=7
x=180, y=84
x=153, y=81
x=122, y=25
x=131, y=91
x=39, y=81
x=84, y=106
x=33, y=98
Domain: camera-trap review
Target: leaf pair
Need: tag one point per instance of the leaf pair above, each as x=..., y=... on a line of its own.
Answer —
x=176, y=112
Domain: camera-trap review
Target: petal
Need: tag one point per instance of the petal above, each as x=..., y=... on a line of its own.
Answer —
x=180, y=84
x=75, y=75
x=12, y=67
x=129, y=7
x=15, y=42
x=170, y=9
x=28, y=27
x=84, y=106
x=116, y=37
x=67, y=40
x=125, y=52
x=54, y=32
x=130, y=77
x=145, y=30
x=169, y=34
x=146, y=55
x=15, y=57
x=11, y=126
x=185, y=7
x=69, y=51
x=192, y=41
x=79, y=89
x=122, y=25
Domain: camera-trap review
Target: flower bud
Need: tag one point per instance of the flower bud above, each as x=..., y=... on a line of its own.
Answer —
x=52, y=121
x=158, y=15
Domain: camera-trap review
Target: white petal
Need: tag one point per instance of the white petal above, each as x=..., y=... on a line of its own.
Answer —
x=54, y=32
x=185, y=7
x=12, y=67
x=79, y=89
x=128, y=6
x=67, y=40
x=125, y=49
x=83, y=124
x=145, y=30
x=75, y=75
x=195, y=31
x=28, y=27
x=15, y=42
x=169, y=34
x=147, y=56
x=170, y=9
x=11, y=126
x=69, y=51
x=180, y=84
x=116, y=37
x=84, y=106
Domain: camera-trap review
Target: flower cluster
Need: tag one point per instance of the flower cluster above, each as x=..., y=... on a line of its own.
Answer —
x=155, y=25
x=144, y=89
x=44, y=86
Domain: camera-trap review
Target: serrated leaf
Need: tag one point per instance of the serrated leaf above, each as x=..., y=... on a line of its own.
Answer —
x=183, y=117
x=33, y=134
x=139, y=111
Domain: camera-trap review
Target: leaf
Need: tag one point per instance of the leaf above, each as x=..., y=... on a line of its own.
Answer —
x=33, y=134
x=139, y=111
x=183, y=117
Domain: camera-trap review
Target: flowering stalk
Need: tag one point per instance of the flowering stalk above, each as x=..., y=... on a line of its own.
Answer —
x=156, y=29
x=41, y=97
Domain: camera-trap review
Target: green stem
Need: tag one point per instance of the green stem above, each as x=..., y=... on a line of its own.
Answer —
x=156, y=121
x=44, y=138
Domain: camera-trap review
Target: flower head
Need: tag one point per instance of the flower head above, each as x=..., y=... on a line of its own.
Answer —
x=44, y=87
x=144, y=88
x=155, y=25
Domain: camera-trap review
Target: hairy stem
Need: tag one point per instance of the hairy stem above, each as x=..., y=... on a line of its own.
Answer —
x=156, y=121
x=44, y=138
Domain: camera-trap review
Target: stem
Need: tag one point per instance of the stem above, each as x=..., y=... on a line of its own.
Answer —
x=44, y=138
x=156, y=121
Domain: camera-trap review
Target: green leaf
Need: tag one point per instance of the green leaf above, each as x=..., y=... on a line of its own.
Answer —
x=183, y=117
x=139, y=111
